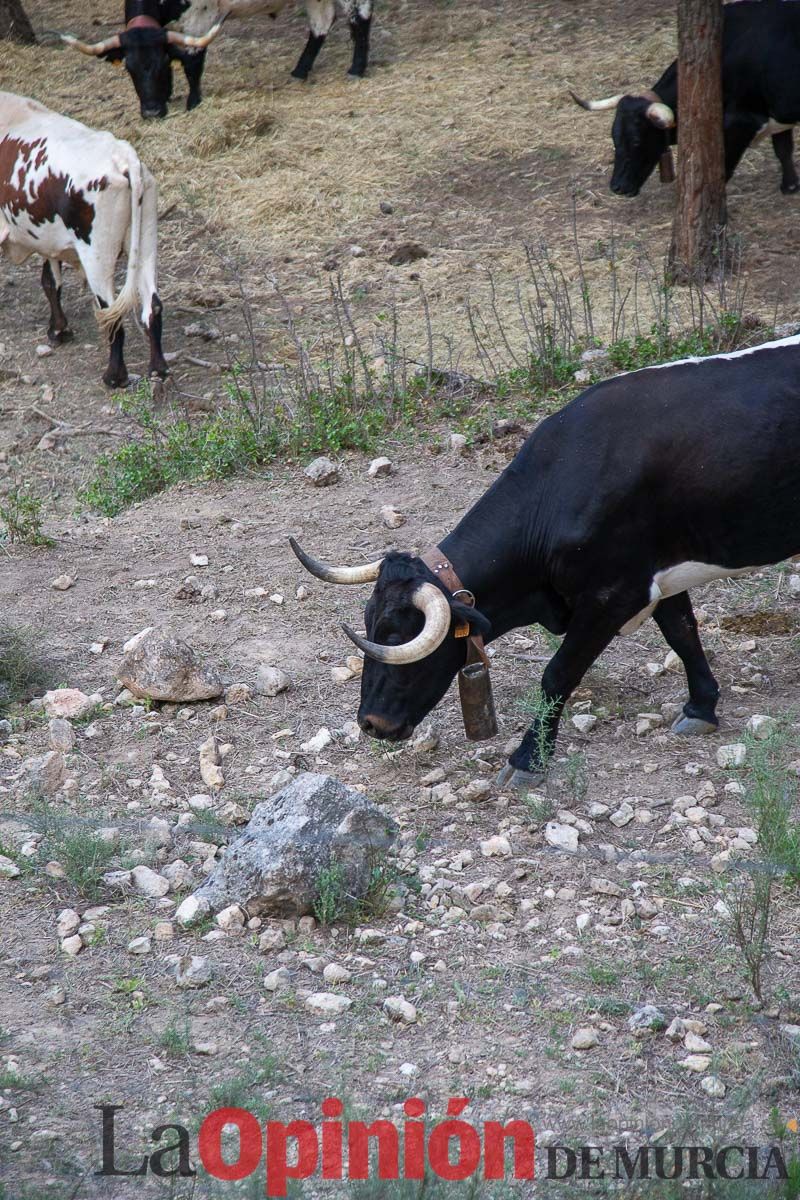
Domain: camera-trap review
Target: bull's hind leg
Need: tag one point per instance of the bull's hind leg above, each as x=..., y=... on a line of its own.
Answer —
x=360, y=18
x=321, y=14
x=593, y=626
x=783, y=145
x=676, y=620
x=149, y=300
x=59, y=330
x=116, y=373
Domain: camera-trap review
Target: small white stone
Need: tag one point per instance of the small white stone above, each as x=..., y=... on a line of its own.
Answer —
x=192, y=971
x=149, y=882
x=563, y=837
x=276, y=980
x=400, y=1009
x=696, y=1044
x=380, y=467
x=713, y=1086
x=271, y=681
x=231, y=919
x=315, y=745
x=584, y=722
x=623, y=816
x=328, y=1004
x=72, y=945
x=8, y=868
x=336, y=973
x=761, y=726
x=191, y=910
x=199, y=560
x=584, y=1038
x=696, y=1062
x=391, y=517
x=68, y=922
x=733, y=755
x=497, y=846
x=62, y=583
x=139, y=945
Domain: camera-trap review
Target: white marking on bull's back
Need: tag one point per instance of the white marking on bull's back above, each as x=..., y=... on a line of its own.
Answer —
x=681, y=578
x=778, y=344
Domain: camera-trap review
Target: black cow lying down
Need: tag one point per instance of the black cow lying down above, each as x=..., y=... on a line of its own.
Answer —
x=641, y=488
x=761, y=96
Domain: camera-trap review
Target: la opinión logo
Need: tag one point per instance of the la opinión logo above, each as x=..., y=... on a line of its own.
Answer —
x=453, y=1148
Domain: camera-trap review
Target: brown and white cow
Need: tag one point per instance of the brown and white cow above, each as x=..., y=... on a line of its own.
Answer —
x=75, y=195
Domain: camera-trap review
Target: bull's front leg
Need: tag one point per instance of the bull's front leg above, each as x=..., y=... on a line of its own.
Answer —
x=592, y=627
x=193, y=62
x=676, y=620
x=783, y=145
x=59, y=330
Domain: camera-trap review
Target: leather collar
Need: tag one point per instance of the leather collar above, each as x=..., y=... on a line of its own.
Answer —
x=445, y=572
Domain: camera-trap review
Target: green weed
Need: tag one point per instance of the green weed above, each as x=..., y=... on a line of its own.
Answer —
x=21, y=514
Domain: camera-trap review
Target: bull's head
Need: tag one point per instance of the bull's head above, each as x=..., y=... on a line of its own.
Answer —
x=411, y=653
x=641, y=137
x=147, y=52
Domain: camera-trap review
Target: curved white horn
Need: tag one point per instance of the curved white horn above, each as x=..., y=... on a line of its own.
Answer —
x=366, y=574
x=195, y=43
x=433, y=603
x=84, y=47
x=597, y=105
x=661, y=115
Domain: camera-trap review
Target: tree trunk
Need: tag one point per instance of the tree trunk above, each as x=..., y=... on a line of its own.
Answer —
x=14, y=24
x=701, y=214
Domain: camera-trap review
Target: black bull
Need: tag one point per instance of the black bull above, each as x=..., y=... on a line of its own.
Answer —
x=760, y=84
x=641, y=487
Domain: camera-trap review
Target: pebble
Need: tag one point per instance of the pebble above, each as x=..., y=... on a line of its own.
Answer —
x=139, y=945
x=476, y=791
x=391, y=517
x=191, y=910
x=647, y=1019
x=231, y=919
x=72, y=945
x=563, y=837
x=696, y=1044
x=761, y=726
x=400, y=1009
x=67, y=702
x=498, y=846
x=149, y=882
x=584, y=722
x=315, y=745
x=61, y=735
x=276, y=980
x=712, y=1085
x=322, y=472
x=696, y=1062
x=328, y=1004
x=271, y=681
x=68, y=922
x=164, y=931
x=192, y=971
x=336, y=973
x=272, y=940
x=623, y=816
x=733, y=755
x=62, y=583
x=8, y=868
x=584, y=1038
x=379, y=468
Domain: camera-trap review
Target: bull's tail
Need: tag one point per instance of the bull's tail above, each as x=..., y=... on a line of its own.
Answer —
x=109, y=319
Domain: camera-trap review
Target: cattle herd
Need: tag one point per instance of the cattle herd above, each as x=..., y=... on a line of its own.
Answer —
x=641, y=488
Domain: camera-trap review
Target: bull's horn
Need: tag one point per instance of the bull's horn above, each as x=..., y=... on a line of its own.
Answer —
x=98, y=48
x=597, y=105
x=433, y=603
x=661, y=115
x=368, y=573
x=195, y=43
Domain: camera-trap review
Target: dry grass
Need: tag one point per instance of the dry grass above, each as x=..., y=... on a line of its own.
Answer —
x=463, y=124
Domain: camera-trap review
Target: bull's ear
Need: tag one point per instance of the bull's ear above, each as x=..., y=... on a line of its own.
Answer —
x=478, y=623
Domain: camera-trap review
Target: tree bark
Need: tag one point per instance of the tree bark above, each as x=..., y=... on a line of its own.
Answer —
x=14, y=23
x=700, y=214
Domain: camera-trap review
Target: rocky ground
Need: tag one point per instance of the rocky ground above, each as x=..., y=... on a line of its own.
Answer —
x=520, y=942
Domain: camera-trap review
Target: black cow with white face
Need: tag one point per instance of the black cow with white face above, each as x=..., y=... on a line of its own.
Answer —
x=148, y=48
x=761, y=97
x=613, y=509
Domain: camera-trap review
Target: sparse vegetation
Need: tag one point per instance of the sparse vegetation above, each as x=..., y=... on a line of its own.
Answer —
x=335, y=903
x=23, y=669
x=21, y=515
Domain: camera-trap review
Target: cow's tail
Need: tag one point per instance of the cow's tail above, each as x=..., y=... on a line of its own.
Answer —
x=109, y=319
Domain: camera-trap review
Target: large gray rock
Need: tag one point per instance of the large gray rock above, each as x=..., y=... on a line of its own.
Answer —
x=311, y=824
x=159, y=666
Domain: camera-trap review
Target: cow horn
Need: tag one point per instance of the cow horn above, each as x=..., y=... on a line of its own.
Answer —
x=661, y=115
x=368, y=573
x=98, y=48
x=433, y=603
x=597, y=105
x=195, y=43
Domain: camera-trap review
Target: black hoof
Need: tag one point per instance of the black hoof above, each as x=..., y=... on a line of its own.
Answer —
x=693, y=726
x=57, y=337
x=115, y=381
x=789, y=189
x=516, y=780
x=301, y=75
x=354, y=73
x=193, y=102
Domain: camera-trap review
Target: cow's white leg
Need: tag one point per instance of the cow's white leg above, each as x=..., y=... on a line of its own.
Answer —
x=58, y=330
x=150, y=303
x=321, y=14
